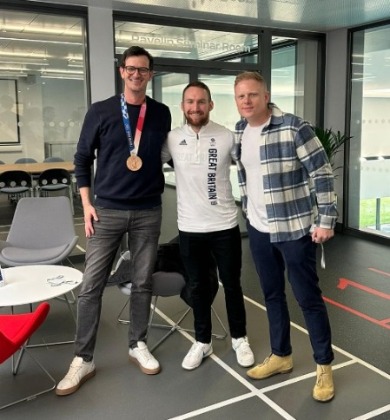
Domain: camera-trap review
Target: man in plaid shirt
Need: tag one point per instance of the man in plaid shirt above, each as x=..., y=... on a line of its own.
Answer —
x=286, y=185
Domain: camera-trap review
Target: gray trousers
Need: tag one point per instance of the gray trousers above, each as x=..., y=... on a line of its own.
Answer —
x=143, y=229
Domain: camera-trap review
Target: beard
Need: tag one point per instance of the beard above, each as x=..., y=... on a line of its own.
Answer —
x=197, y=119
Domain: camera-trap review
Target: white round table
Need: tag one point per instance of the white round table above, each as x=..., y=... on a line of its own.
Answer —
x=36, y=283
x=29, y=284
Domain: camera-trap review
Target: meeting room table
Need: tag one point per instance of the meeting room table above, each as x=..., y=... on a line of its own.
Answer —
x=36, y=168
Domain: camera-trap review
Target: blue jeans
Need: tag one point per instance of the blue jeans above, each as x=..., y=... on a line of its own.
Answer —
x=143, y=229
x=225, y=247
x=299, y=256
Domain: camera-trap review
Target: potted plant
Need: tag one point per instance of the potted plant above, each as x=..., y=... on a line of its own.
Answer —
x=331, y=142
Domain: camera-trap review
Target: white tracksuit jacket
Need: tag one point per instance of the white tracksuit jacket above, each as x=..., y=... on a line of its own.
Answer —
x=202, y=162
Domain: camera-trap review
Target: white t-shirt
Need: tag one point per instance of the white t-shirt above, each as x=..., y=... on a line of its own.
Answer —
x=250, y=158
x=205, y=201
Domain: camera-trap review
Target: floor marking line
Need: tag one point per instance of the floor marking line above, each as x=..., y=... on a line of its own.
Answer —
x=213, y=407
x=373, y=413
x=344, y=283
x=276, y=407
x=339, y=349
x=232, y=372
x=381, y=323
x=213, y=356
x=303, y=377
x=260, y=393
x=375, y=270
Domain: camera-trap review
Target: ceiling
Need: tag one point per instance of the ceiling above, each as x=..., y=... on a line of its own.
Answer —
x=33, y=43
x=308, y=15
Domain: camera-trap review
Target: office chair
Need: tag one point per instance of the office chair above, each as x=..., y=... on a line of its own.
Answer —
x=53, y=159
x=164, y=284
x=16, y=184
x=56, y=179
x=41, y=232
x=15, y=331
x=25, y=160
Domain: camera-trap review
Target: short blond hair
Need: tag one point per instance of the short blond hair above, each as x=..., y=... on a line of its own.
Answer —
x=250, y=75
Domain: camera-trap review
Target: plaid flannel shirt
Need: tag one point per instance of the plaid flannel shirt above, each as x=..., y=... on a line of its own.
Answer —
x=297, y=181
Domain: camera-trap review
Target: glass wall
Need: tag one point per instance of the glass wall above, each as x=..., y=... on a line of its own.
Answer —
x=295, y=81
x=43, y=84
x=171, y=86
x=183, y=43
x=283, y=76
x=182, y=55
x=369, y=155
x=222, y=91
x=289, y=64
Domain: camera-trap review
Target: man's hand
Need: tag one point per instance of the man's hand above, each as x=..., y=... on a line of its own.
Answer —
x=90, y=217
x=321, y=235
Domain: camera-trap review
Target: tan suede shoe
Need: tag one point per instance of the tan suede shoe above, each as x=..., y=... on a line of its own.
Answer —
x=272, y=365
x=324, y=388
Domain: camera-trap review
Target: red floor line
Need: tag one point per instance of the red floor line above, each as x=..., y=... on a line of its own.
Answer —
x=343, y=283
x=382, y=323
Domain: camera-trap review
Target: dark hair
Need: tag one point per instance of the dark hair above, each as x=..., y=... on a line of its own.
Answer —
x=198, y=84
x=136, y=51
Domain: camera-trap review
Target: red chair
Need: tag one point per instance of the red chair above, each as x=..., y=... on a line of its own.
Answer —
x=15, y=332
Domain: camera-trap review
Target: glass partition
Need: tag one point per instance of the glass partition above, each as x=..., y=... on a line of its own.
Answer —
x=183, y=43
x=294, y=77
x=222, y=92
x=369, y=156
x=169, y=88
x=182, y=54
x=283, y=76
x=42, y=83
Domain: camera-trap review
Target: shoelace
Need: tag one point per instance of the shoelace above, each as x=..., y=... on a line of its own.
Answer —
x=244, y=348
x=73, y=371
x=145, y=354
x=196, y=348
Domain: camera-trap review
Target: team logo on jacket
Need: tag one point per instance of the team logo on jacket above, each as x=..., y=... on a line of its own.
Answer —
x=183, y=143
x=212, y=142
x=212, y=174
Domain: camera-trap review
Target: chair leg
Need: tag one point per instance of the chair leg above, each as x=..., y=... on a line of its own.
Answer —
x=33, y=396
x=220, y=336
x=174, y=326
x=121, y=320
x=225, y=333
x=70, y=191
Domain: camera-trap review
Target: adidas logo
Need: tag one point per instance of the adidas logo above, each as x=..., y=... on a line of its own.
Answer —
x=183, y=143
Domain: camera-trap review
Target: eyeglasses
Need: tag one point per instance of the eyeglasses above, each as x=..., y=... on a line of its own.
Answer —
x=141, y=70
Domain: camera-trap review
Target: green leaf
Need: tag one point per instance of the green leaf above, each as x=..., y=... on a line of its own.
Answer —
x=331, y=141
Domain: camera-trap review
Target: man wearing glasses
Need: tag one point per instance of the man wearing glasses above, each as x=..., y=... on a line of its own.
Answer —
x=125, y=132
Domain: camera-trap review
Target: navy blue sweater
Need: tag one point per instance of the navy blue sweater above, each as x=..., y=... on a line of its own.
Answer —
x=103, y=137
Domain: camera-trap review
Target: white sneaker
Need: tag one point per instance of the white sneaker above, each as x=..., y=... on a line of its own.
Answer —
x=78, y=373
x=144, y=359
x=244, y=354
x=196, y=354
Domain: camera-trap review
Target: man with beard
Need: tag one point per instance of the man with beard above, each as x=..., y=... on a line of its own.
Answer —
x=207, y=219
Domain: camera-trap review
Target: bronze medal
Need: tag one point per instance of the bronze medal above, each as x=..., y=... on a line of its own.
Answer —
x=134, y=163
